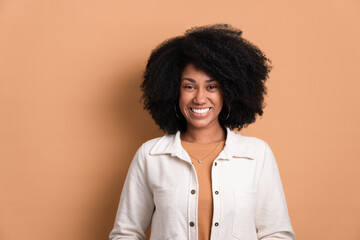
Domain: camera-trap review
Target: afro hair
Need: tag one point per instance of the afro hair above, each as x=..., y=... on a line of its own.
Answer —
x=219, y=50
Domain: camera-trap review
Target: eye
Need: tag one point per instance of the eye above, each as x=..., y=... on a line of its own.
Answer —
x=212, y=87
x=189, y=87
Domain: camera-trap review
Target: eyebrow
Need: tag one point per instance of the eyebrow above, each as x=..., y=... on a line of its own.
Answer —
x=192, y=80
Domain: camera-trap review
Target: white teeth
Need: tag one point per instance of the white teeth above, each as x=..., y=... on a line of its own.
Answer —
x=200, y=111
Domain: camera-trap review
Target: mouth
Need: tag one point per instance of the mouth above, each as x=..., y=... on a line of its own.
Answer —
x=200, y=110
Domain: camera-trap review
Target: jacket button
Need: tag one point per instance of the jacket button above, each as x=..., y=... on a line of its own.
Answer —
x=216, y=224
x=215, y=163
x=192, y=224
x=216, y=192
x=193, y=191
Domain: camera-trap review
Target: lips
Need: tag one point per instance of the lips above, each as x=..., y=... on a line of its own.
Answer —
x=200, y=110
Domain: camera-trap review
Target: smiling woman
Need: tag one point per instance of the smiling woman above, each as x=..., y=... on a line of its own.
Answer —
x=200, y=101
x=202, y=180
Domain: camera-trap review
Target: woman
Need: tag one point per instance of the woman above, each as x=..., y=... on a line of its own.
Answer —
x=202, y=180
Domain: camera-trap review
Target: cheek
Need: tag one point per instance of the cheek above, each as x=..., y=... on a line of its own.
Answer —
x=182, y=103
x=218, y=99
x=183, y=98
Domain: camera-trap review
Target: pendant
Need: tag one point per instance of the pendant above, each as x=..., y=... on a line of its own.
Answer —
x=199, y=161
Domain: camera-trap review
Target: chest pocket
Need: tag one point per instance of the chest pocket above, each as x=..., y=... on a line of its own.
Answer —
x=164, y=223
x=244, y=215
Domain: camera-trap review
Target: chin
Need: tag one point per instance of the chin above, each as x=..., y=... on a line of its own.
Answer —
x=200, y=125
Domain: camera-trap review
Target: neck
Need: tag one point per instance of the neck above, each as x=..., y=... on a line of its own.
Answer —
x=207, y=135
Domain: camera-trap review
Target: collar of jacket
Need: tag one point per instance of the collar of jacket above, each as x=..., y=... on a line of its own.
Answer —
x=236, y=146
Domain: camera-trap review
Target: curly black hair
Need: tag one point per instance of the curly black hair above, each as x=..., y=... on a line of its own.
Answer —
x=220, y=51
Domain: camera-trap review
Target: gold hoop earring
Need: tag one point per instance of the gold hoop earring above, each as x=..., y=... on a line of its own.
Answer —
x=176, y=112
x=228, y=112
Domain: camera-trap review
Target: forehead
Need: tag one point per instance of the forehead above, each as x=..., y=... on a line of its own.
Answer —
x=193, y=74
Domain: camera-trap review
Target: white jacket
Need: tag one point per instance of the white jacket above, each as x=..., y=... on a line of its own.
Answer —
x=248, y=197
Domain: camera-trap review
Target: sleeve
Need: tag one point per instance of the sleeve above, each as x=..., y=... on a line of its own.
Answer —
x=136, y=203
x=271, y=215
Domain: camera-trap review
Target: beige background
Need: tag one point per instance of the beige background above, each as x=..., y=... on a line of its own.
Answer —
x=71, y=119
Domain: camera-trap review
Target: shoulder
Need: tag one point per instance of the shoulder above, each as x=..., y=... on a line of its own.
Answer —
x=161, y=145
x=239, y=139
x=245, y=146
x=149, y=144
x=152, y=142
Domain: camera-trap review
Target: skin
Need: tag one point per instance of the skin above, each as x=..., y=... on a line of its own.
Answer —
x=199, y=92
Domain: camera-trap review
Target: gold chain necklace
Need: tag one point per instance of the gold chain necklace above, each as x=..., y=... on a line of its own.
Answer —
x=200, y=160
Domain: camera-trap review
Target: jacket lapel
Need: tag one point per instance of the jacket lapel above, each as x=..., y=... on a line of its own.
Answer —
x=236, y=146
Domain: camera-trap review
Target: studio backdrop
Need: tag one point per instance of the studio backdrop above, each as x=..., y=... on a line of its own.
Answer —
x=71, y=116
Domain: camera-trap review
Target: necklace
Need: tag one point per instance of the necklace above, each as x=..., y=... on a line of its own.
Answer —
x=200, y=160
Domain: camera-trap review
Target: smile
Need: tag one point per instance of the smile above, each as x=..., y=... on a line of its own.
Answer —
x=200, y=110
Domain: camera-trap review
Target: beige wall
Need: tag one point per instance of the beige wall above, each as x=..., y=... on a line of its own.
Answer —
x=71, y=118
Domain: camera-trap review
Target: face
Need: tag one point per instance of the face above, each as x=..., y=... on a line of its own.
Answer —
x=200, y=99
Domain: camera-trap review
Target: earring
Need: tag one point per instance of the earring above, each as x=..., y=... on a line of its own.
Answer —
x=228, y=112
x=176, y=112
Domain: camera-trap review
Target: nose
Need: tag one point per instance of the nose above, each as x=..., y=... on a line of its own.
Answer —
x=200, y=97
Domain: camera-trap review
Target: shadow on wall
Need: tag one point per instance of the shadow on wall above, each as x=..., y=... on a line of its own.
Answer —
x=131, y=126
